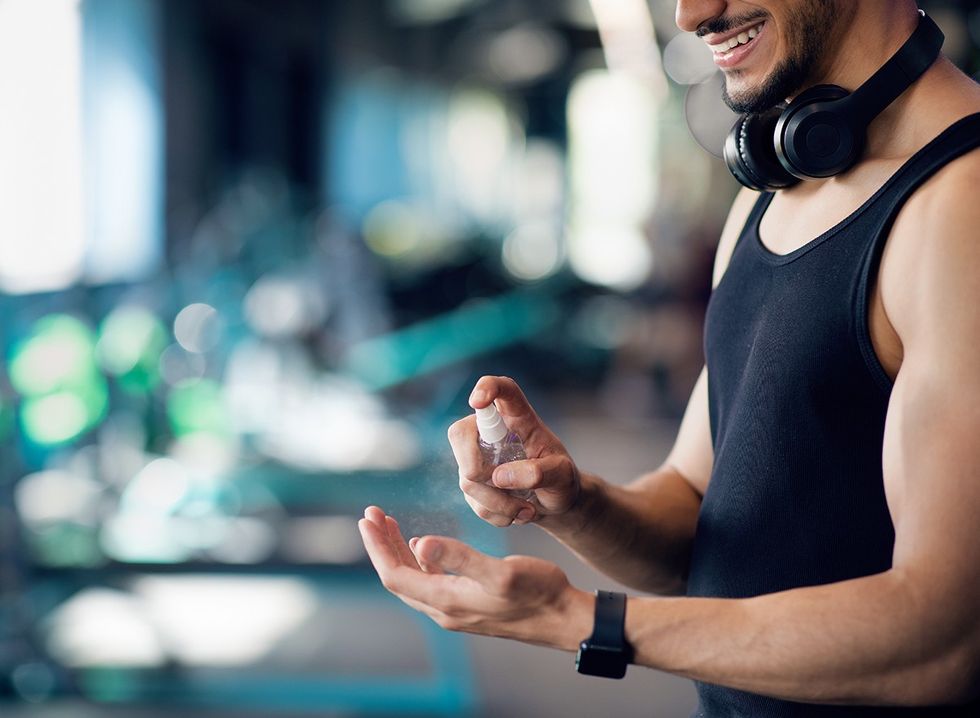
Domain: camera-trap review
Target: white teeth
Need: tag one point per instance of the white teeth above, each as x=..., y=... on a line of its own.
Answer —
x=740, y=39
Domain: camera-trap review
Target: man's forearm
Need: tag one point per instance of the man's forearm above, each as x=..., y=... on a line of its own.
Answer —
x=640, y=535
x=878, y=640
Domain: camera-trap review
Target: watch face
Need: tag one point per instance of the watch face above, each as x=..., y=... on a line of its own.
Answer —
x=599, y=661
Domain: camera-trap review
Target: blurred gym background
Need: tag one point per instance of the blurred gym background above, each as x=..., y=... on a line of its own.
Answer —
x=253, y=256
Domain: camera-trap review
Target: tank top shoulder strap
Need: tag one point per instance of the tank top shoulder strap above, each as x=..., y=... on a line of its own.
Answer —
x=958, y=139
x=751, y=226
x=955, y=141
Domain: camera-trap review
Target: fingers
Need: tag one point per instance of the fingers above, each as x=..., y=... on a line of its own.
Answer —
x=406, y=581
x=466, y=449
x=398, y=542
x=495, y=506
x=375, y=515
x=548, y=472
x=504, y=392
x=510, y=400
x=383, y=556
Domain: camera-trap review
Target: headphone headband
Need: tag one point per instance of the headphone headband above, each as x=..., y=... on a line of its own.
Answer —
x=822, y=132
x=906, y=66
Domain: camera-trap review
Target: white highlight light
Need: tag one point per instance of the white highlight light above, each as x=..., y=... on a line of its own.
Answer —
x=41, y=217
x=481, y=135
x=224, y=621
x=612, y=120
x=197, y=327
x=615, y=257
x=102, y=627
x=629, y=41
x=53, y=496
x=533, y=251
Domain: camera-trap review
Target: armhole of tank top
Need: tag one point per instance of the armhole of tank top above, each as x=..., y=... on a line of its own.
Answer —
x=958, y=139
x=866, y=283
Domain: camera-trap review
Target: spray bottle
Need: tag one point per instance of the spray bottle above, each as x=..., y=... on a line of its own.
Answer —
x=498, y=444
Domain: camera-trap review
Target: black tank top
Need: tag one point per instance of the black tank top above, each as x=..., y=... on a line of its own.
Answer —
x=797, y=403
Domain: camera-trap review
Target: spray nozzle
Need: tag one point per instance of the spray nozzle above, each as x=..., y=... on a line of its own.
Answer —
x=491, y=427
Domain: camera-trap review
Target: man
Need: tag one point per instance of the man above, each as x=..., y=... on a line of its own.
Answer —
x=820, y=504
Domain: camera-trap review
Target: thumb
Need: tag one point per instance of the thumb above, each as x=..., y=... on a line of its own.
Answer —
x=452, y=556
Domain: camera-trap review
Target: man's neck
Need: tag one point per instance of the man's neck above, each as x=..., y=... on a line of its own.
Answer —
x=866, y=38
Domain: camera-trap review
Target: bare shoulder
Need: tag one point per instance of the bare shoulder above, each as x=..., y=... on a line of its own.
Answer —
x=737, y=216
x=934, y=248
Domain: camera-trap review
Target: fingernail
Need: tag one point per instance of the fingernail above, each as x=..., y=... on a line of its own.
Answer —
x=504, y=478
x=524, y=515
x=478, y=396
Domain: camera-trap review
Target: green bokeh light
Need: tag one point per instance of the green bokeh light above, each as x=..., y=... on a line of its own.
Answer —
x=54, y=369
x=55, y=418
x=197, y=405
x=131, y=340
x=59, y=353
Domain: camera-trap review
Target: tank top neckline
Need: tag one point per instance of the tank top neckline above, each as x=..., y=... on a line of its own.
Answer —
x=766, y=199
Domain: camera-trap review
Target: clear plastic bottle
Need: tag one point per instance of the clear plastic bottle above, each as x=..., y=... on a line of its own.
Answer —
x=498, y=444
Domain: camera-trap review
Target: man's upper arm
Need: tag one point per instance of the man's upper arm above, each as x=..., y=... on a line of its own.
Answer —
x=692, y=454
x=931, y=452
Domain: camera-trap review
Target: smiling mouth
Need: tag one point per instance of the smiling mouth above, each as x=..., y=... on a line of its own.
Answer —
x=725, y=48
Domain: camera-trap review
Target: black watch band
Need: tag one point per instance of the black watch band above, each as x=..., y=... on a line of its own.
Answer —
x=606, y=653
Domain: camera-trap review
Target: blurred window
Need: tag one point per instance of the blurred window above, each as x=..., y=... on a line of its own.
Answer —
x=81, y=137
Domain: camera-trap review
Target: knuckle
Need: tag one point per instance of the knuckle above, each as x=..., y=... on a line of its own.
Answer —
x=501, y=522
x=468, y=478
x=457, y=431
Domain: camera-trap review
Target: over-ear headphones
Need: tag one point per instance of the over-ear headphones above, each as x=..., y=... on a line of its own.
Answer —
x=822, y=132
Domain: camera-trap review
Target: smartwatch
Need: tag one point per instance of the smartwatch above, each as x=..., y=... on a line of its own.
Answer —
x=606, y=653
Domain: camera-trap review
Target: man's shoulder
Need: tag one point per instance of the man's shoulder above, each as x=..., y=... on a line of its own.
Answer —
x=947, y=200
x=934, y=246
x=738, y=215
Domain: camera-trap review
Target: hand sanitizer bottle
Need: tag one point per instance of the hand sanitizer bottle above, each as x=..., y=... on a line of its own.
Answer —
x=498, y=444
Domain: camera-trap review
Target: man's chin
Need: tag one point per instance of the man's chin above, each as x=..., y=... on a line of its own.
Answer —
x=747, y=98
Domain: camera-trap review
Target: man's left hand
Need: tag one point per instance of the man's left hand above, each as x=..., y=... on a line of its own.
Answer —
x=461, y=589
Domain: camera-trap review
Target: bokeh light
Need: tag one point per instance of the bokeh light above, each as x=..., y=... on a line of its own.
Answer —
x=197, y=327
x=533, y=251
x=131, y=339
x=54, y=369
x=197, y=405
x=687, y=60
x=612, y=120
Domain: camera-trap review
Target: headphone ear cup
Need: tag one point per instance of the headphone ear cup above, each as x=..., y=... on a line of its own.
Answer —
x=814, y=137
x=751, y=155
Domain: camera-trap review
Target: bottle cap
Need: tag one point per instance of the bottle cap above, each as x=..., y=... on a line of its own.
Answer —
x=491, y=427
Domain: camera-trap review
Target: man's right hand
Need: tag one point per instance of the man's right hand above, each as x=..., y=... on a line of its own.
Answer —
x=548, y=471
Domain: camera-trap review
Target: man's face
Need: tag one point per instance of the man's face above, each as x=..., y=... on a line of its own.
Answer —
x=767, y=49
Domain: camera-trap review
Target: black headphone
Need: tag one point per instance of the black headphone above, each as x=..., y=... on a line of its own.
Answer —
x=821, y=133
